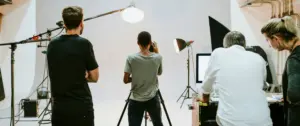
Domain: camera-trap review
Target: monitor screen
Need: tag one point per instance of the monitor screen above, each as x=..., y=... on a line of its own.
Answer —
x=202, y=64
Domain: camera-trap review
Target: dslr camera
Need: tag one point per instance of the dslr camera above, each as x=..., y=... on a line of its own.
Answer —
x=153, y=44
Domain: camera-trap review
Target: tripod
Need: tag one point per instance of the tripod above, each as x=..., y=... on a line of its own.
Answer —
x=186, y=92
x=46, y=111
x=162, y=102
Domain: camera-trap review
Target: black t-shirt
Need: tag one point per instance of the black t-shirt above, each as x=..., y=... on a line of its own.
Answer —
x=69, y=57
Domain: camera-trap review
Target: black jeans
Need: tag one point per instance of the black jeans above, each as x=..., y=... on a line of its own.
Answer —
x=294, y=116
x=71, y=114
x=136, y=111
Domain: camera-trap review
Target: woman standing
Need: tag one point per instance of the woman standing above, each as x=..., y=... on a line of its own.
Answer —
x=283, y=34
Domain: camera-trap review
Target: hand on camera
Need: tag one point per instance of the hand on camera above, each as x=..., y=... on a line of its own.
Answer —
x=155, y=47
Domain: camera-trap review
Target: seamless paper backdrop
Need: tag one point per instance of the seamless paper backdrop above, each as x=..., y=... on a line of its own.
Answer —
x=113, y=39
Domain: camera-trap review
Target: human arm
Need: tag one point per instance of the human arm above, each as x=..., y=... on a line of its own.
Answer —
x=210, y=77
x=293, y=74
x=127, y=79
x=92, y=73
x=160, y=68
x=127, y=72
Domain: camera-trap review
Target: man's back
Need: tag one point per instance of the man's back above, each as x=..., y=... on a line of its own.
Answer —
x=144, y=70
x=69, y=57
x=240, y=81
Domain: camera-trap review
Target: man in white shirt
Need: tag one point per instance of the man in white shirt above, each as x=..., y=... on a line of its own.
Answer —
x=239, y=76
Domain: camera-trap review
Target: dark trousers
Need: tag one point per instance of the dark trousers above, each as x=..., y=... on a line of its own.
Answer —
x=136, y=111
x=294, y=116
x=69, y=114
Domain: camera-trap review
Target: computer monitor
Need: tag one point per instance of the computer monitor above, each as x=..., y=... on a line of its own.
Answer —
x=202, y=64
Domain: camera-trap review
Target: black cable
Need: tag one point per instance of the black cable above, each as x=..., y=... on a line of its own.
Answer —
x=44, y=68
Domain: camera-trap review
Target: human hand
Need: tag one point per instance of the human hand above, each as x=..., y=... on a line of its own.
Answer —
x=155, y=47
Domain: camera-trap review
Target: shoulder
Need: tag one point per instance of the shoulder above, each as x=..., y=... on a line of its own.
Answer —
x=84, y=41
x=132, y=56
x=157, y=55
x=255, y=57
x=55, y=40
x=218, y=51
x=293, y=62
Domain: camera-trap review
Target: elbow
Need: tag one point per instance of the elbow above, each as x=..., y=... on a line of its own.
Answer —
x=159, y=73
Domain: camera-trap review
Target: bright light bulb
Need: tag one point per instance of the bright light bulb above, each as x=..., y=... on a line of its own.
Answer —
x=132, y=15
x=176, y=46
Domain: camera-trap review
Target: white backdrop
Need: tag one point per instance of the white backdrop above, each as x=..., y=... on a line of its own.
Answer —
x=249, y=20
x=114, y=39
x=18, y=25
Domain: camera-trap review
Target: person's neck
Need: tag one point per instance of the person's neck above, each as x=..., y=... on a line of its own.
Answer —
x=145, y=52
x=73, y=32
x=295, y=45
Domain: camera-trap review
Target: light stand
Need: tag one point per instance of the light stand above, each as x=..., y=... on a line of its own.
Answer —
x=13, y=46
x=34, y=40
x=46, y=111
x=180, y=45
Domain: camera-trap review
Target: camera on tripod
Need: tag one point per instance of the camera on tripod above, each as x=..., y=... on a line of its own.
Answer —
x=153, y=44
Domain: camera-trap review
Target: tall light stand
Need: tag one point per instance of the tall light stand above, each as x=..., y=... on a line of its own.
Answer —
x=13, y=47
x=179, y=45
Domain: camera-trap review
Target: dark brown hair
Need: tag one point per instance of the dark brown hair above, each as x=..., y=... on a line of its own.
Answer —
x=72, y=17
x=144, y=38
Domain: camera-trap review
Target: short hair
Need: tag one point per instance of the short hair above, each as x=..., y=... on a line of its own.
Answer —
x=72, y=16
x=234, y=38
x=283, y=27
x=144, y=38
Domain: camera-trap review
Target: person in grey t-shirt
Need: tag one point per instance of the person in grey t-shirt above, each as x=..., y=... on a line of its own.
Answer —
x=144, y=67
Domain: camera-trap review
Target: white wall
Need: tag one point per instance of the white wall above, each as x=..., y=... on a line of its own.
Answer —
x=114, y=39
x=18, y=25
x=249, y=20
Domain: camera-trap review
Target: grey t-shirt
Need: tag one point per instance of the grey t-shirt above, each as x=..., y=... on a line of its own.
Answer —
x=144, y=71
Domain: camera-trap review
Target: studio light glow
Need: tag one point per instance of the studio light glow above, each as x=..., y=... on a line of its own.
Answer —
x=132, y=15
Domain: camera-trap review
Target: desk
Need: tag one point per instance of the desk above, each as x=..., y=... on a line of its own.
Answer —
x=207, y=114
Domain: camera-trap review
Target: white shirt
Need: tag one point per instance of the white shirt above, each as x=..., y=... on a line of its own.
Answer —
x=239, y=76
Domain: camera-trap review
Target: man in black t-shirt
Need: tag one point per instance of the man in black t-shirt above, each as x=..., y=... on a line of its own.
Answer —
x=72, y=65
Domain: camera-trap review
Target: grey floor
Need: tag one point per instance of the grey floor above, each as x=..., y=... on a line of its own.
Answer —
x=107, y=113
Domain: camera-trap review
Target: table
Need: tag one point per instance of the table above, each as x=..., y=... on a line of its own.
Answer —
x=207, y=114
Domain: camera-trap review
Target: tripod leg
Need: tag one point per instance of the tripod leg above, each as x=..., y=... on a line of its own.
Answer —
x=184, y=99
x=165, y=109
x=182, y=94
x=194, y=90
x=44, y=111
x=127, y=101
